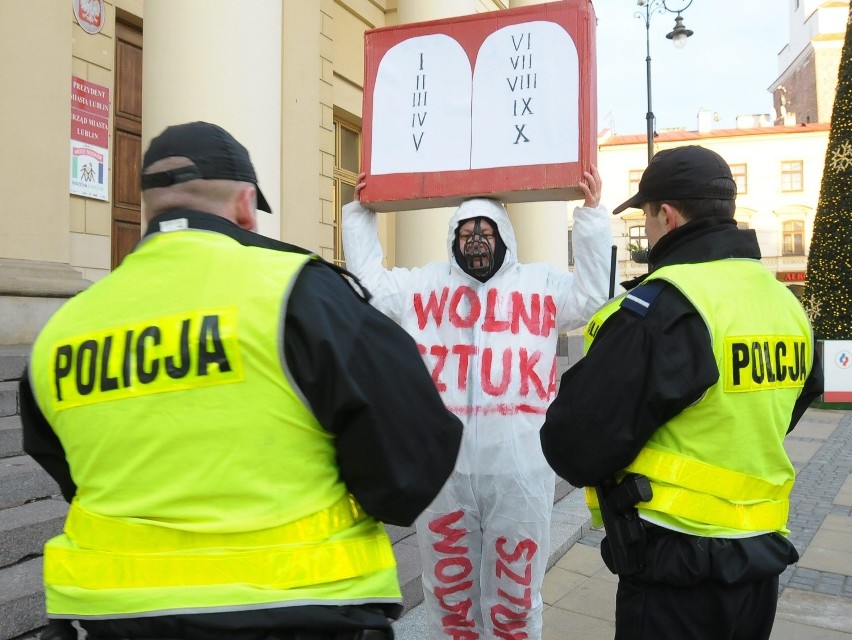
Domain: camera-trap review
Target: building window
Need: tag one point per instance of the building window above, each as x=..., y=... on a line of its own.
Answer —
x=635, y=177
x=637, y=236
x=740, y=177
x=637, y=244
x=347, y=162
x=793, y=243
x=791, y=175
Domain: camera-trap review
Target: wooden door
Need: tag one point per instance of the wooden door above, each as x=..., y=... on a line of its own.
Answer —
x=127, y=142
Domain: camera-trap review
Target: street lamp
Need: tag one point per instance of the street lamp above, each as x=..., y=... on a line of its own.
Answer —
x=678, y=36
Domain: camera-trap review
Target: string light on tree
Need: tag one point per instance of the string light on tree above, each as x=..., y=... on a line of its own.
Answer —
x=841, y=157
x=829, y=287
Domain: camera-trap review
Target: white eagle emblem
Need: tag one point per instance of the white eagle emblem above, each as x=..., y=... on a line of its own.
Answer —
x=89, y=14
x=90, y=10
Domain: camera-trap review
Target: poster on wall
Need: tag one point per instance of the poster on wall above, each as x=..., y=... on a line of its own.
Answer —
x=89, y=139
x=501, y=103
x=837, y=367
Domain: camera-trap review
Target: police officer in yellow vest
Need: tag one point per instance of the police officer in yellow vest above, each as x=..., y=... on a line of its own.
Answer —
x=691, y=381
x=230, y=420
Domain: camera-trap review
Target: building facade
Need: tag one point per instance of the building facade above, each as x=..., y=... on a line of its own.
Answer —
x=778, y=170
x=286, y=77
x=804, y=90
x=777, y=158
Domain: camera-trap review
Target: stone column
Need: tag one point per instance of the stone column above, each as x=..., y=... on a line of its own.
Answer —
x=36, y=102
x=216, y=61
x=421, y=236
x=35, y=214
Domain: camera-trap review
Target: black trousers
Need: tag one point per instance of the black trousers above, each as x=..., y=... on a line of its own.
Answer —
x=698, y=588
x=64, y=630
x=706, y=611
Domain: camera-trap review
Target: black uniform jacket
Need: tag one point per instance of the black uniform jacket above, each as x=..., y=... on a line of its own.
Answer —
x=364, y=381
x=638, y=374
x=642, y=371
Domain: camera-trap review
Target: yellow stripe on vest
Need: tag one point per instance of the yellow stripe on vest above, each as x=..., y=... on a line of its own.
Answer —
x=700, y=507
x=699, y=476
x=709, y=494
x=93, y=531
x=283, y=567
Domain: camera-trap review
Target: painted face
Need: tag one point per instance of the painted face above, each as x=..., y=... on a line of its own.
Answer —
x=476, y=242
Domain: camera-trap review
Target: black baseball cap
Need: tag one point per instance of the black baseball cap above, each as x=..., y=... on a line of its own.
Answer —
x=683, y=173
x=215, y=153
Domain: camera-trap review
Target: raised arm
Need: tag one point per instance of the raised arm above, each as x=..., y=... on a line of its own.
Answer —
x=591, y=187
x=364, y=256
x=580, y=293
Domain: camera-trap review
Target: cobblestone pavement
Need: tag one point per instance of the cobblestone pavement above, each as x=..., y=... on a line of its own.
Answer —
x=815, y=602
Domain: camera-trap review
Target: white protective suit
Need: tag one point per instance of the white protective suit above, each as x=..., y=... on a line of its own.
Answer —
x=491, y=349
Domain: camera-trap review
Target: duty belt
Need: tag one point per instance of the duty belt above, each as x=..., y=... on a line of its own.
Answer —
x=702, y=492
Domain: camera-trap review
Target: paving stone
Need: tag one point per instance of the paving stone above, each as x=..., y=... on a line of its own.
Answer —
x=563, y=488
x=399, y=533
x=408, y=569
x=593, y=597
x=819, y=611
x=558, y=582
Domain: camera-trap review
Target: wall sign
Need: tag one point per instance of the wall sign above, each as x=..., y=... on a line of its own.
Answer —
x=837, y=367
x=792, y=276
x=89, y=139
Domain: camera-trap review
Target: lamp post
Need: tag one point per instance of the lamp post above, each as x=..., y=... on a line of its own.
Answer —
x=678, y=36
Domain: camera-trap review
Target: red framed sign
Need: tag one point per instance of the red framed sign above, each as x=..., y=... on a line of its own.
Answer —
x=500, y=104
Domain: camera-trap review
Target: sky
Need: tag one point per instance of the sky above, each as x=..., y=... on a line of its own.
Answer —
x=726, y=66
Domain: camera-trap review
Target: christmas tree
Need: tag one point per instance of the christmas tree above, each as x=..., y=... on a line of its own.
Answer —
x=828, y=293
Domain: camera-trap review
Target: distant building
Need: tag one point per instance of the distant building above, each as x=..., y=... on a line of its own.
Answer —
x=804, y=91
x=777, y=158
x=778, y=170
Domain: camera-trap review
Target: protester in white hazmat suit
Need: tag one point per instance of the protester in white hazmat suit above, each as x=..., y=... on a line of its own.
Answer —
x=487, y=327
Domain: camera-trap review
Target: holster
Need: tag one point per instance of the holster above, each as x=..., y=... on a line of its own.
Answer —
x=623, y=549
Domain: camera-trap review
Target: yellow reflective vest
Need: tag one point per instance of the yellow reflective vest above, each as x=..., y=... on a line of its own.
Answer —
x=203, y=480
x=719, y=468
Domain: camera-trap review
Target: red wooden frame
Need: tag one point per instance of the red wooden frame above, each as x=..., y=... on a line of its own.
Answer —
x=405, y=191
